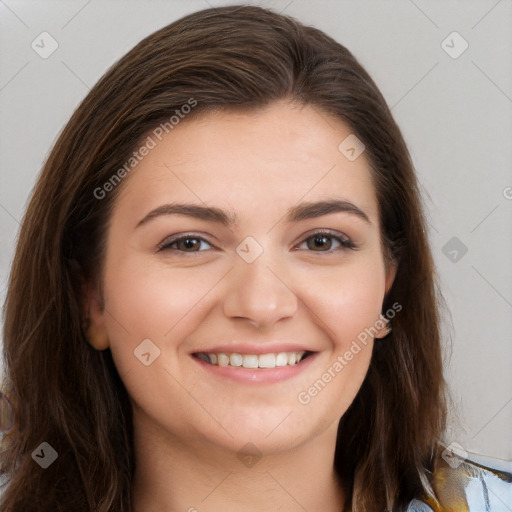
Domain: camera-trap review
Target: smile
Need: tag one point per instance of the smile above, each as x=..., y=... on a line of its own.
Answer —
x=253, y=361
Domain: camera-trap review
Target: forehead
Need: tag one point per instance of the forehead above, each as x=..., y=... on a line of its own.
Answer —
x=251, y=161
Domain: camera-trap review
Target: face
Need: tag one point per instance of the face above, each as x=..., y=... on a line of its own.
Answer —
x=243, y=239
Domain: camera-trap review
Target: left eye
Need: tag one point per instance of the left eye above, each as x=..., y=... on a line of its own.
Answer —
x=184, y=244
x=323, y=242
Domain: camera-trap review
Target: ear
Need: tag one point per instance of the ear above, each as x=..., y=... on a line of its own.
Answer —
x=391, y=269
x=95, y=328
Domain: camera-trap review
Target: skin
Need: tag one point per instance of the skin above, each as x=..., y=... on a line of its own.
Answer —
x=189, y=424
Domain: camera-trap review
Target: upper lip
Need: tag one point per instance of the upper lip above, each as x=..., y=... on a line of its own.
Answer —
x=254, y=348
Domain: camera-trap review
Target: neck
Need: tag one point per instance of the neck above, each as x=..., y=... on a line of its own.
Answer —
x=190, y=476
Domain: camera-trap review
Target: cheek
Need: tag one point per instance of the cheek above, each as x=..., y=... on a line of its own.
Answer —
x=148, y=300
x=346, y=300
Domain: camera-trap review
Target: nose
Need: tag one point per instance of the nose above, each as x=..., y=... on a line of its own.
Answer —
x=259, y=294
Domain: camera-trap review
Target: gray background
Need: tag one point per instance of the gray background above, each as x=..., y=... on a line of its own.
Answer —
x=454, y=111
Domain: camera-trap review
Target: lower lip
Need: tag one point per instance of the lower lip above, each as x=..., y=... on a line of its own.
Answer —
x=257, y=376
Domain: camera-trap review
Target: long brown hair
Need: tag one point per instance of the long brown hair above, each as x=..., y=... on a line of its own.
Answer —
x=70, y=395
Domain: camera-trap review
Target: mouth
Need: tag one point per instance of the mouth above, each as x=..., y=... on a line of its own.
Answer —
x=253, y=361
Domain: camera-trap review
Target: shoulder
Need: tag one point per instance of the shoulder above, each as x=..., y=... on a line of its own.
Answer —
x=465, y=486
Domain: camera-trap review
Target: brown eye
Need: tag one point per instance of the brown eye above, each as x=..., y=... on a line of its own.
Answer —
x=184, y=244
x=326, y=241
x=321, y=242
x=188, y=244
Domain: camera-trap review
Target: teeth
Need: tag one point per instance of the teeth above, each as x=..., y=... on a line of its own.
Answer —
x=253, y=360
x=267, y=361
x=235, y=360
x=222, y=360
x=282, y=359
x=250, y=361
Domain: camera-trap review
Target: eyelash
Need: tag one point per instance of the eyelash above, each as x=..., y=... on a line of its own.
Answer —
x=344, y=242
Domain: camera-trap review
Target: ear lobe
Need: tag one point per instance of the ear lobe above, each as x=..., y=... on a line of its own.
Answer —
x=95, y=329
x=384, y=330
x=98, y=337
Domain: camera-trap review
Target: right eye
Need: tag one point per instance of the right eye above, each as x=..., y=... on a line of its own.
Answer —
x=184, y=244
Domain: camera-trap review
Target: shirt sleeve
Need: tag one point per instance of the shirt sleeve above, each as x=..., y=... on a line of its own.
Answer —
x=464, y=486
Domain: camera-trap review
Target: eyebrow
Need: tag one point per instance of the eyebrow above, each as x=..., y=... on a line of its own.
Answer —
x=303, y=211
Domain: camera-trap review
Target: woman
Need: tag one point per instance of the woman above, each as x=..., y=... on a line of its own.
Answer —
x=223, y=295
